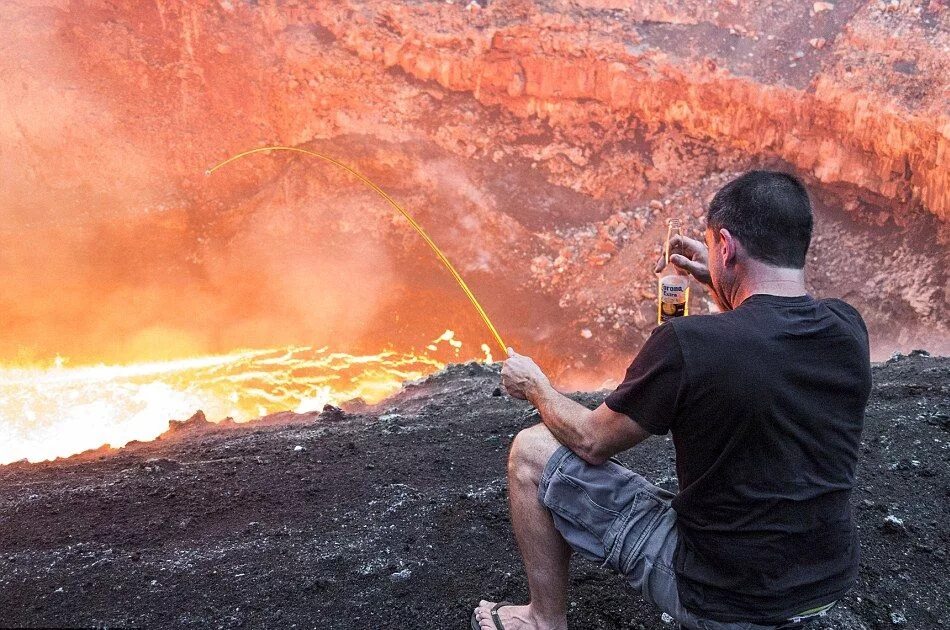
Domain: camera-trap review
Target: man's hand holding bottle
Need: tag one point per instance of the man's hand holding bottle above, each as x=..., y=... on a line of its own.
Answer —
x=692, y=257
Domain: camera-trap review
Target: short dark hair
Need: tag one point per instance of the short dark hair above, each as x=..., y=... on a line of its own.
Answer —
x=769, y=213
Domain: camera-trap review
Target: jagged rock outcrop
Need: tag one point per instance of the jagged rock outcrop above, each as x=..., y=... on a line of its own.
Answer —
x=195, y=424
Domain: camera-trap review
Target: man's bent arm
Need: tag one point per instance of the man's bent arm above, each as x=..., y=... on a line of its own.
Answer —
x=594, y=435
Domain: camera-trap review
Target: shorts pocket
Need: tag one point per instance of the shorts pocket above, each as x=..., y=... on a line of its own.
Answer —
x=580, y=516
x=603, y=512
x=639, y=524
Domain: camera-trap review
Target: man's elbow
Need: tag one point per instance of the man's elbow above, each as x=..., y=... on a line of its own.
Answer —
x=595, y=460
x=593, y=453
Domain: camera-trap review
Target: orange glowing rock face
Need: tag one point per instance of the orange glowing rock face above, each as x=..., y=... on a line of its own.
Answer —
x=58, y=411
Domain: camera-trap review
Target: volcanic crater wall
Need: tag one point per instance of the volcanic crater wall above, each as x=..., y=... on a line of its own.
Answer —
x=567, y=72
x=543, y=144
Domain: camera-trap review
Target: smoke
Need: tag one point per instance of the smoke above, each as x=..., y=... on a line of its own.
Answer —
x=113, y=245
x=64, y=173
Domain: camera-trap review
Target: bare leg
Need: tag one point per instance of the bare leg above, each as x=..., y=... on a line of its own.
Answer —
x=546, y=556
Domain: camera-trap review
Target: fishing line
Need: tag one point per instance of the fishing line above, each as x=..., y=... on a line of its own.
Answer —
x=418, y=228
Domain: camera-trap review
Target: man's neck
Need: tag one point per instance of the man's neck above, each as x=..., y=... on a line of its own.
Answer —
x=759, y=278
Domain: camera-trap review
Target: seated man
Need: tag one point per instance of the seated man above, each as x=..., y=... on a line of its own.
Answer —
x=765, y=402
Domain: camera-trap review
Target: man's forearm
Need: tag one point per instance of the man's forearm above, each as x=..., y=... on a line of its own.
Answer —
x=594, y=435
x=566, y=419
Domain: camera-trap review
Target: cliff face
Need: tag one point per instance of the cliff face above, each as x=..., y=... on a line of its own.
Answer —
x=543, y=145
x=873, y=113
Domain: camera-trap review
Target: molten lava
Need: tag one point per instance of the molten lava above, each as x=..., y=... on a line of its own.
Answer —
x=55, y=411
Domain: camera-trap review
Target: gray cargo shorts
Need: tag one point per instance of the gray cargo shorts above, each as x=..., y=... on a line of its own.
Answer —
x=613, y=516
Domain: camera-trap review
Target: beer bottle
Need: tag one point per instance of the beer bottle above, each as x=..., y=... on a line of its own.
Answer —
x=672, y=298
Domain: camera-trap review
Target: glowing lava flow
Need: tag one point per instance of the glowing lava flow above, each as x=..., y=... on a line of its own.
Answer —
x=59, y=411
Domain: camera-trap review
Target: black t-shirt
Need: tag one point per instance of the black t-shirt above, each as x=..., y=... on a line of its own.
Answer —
x=766, y=406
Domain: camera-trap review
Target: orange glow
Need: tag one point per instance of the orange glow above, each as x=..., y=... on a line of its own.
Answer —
x=392, y=202
x=56, y=410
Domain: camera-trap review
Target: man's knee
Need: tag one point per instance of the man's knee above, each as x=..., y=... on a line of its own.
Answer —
x=530, y=452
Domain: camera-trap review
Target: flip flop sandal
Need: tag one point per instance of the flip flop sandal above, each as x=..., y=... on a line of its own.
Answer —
x=494, y=617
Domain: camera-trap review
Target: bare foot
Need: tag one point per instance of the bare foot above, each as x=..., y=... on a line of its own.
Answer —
x=516, y=618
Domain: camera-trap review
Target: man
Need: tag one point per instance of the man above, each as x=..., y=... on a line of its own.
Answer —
x=765, y=403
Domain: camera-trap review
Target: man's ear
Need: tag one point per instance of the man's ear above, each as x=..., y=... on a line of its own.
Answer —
x=728, y=247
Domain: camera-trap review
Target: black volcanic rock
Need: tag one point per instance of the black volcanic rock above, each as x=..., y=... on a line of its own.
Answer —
x=93, y=453
x=398, y=518
x=284, y=417
x=197, y=422
x=332, y=414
